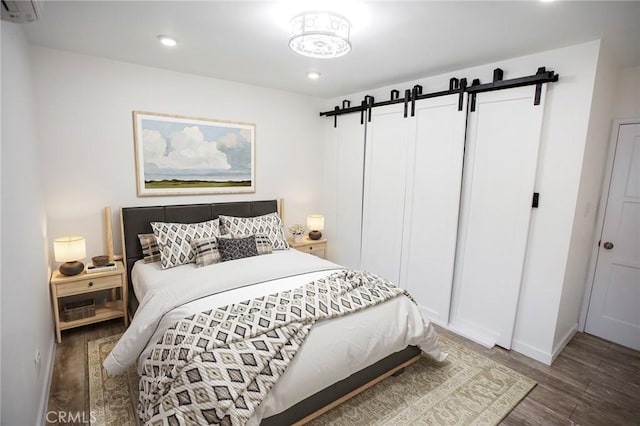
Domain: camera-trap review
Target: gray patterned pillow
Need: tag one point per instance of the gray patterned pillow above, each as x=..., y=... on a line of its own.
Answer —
x=237, y=248
x=175, y=239
x=263, y=244
x=207, y=252
x=150, y=248
x=268, y=225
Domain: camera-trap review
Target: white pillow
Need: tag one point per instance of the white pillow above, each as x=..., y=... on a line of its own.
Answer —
x=175, y=239
x=269, y=225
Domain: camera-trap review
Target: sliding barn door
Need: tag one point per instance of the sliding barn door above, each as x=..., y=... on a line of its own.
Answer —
x=344, y=177
x=384, y=195
x=498, y=184
x=433, y=196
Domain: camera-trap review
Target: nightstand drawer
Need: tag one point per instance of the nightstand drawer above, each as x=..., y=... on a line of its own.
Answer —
x=313, y=248
x=88, y=284
x=309, y=246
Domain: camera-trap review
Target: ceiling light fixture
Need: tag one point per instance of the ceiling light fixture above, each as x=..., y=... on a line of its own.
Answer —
x=313, y=75
x=320, y=34
x=167, y=41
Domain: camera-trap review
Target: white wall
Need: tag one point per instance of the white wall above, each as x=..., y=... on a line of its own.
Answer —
x=624, y=105
x=85, y=132
x=27, y=324
x=559, y=170
x=593, y=167
x=562, y=147
x=627, y=94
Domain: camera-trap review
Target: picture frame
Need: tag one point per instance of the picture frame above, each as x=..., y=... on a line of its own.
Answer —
x=182, y=155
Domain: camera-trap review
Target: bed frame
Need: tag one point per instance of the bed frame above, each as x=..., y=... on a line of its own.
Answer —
x=137, y=220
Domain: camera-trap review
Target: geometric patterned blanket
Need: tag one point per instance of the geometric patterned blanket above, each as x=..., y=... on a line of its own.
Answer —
x=216, y=367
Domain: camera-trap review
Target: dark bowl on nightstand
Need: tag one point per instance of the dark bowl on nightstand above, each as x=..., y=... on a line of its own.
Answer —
x=100, y=260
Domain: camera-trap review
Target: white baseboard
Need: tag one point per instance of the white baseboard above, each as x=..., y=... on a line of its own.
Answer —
x=487, y=341
x=472, y=333
x=457, y=328
x=540, y=355
x=432, y=316
x=564, y=342
x=532, y=352
x=44, y=398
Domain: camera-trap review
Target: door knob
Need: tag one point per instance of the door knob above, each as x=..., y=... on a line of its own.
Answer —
x=608, y=245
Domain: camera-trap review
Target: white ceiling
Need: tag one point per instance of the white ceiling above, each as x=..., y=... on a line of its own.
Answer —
x=242, y=41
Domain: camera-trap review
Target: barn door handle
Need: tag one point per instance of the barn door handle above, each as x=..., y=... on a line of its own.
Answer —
x=608, y=245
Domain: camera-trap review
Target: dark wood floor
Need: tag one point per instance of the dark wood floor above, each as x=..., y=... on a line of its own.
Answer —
x=69, y=391
x=592, y=382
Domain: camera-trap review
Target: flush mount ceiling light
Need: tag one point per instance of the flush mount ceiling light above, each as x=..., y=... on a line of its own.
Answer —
x=320, y=34
x=167, y=41
x=313, y=75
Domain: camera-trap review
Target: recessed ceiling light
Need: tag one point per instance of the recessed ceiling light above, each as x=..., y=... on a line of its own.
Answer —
x=167, y=41
x=313, y=75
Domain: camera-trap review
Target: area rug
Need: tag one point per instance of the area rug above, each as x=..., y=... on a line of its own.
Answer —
x=112, y=399
x=465, y=389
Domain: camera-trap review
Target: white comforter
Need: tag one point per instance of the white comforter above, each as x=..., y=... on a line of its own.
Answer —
x=333, y=350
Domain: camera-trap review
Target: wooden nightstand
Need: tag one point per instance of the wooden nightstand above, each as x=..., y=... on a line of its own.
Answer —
x=314, y=247
x=83, y=283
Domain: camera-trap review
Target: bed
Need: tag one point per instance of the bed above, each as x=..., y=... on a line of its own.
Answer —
x=339, y=358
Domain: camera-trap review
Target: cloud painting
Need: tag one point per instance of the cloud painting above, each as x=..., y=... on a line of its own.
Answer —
x=177, y=155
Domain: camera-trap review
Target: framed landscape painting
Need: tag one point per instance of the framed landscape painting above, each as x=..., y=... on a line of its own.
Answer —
x=177, y=155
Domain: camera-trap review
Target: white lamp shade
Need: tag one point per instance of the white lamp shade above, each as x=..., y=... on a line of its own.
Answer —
x=315, y=222
x=69, y=249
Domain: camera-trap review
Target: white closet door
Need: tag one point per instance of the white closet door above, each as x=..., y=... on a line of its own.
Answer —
x=433, y=199
x=499, y=176
x=384, y=195
x=346, y=180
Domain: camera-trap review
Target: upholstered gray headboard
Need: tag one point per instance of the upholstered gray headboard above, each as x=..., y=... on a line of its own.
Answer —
x=137, y=220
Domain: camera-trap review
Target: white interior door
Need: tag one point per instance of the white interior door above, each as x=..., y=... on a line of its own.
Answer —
x=500, y=166
x=384, y=192
x=614, y=308
x=345, y=168
x=433, y=197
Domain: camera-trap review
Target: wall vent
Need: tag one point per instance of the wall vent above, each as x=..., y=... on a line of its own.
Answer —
x=21, y=11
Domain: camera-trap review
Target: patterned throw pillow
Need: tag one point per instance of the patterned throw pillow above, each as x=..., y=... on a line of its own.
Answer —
x=175, y=239
x=237, y=248
x=263, y=244
x=268, y=225
x=208, y=253
x=206, y=250
x=150, y=248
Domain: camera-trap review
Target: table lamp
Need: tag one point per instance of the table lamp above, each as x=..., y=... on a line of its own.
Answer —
x=70, y=250
x=315, y=223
